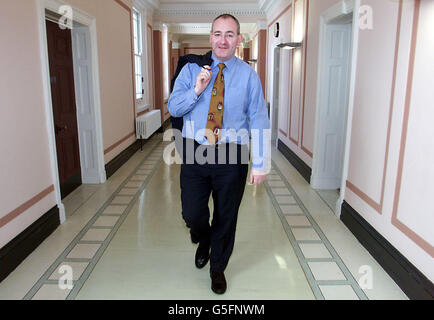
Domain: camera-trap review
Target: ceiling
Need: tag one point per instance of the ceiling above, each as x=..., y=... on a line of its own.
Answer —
x=205, y=1
x=190, y=20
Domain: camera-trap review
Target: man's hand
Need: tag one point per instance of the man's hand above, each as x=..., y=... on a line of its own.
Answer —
x=257, y=177
x=202, y=80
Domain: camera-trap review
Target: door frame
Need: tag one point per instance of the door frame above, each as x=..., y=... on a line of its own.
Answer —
x=344, y=7
x=90, y=22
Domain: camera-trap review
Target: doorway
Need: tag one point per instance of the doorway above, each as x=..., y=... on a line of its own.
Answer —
x=59, y=43
x=333, y=99
x=84, y=154
x=274, y=114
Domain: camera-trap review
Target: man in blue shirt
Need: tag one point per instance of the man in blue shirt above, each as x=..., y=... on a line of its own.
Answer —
x=210, y=164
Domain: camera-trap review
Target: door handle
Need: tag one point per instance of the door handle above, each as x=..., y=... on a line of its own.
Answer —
x=59, y=129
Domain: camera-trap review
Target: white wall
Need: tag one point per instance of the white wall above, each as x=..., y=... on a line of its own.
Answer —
x=390, y=178
x=390, y=171
x=27, y=186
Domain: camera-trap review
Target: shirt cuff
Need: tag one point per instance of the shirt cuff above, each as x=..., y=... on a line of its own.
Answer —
x=192, y=95
x=258, y=172
x=264, y=166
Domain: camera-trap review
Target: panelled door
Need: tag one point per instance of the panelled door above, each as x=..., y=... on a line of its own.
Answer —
x=64, y=107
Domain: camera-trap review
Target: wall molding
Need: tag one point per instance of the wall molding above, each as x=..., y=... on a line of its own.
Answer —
x=292, y=77
x=414, y=284
x=25, y=206
x=305, y=41
x=417, y=239
x=119, y=142
x=19, y=248
x=378, y=206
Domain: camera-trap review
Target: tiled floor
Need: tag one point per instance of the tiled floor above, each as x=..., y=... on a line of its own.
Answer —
x=126, y=239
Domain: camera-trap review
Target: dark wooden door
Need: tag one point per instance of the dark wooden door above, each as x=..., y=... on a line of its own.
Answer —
x=64, y=107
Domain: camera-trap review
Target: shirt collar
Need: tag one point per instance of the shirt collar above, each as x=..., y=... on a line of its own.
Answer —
x=229, y=63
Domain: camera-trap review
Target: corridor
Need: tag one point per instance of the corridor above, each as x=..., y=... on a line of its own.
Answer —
x=125, y=239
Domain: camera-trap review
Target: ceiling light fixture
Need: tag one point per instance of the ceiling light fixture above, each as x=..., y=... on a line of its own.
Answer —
x=289, y=45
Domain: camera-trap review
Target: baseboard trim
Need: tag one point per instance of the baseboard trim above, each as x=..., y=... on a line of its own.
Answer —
x=298, y=164
x=118, y=161
x=414, y=284
x=19, y=248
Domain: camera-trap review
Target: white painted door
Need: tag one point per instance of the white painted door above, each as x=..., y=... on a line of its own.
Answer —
x=333, y=104
x=85, y=110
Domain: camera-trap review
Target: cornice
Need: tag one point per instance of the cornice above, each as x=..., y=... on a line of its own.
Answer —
x=206, y=9
x=154, y=4
x=265, y=4
x=203, y=28
x=146, y=5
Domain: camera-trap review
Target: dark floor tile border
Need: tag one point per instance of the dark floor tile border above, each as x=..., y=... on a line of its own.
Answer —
x=19, y=248
x=299, y=164
x=414, y=284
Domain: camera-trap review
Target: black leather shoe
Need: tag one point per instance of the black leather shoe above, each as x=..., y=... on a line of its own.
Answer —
x=218, y=282
x=202, y=256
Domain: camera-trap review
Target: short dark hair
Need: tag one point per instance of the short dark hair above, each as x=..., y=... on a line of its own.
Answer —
x=226, y=16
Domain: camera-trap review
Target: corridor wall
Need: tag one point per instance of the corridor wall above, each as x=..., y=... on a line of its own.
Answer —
x=390, y=174
x=27, y=184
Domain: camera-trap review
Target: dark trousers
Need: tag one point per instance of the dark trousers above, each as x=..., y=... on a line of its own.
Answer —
x=226, y=183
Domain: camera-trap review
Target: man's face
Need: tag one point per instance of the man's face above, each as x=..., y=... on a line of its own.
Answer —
x=224, y=38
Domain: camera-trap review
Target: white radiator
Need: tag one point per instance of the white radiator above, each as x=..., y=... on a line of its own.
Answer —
x=147, y=124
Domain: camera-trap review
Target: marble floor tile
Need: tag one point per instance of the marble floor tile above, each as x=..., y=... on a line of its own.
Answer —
x=133, y=184
x=51, y=292
x=301, y=234
x=151, y=255
x=285, y=200
x=128, y=191
x=106, y=221
x=326, y=271
x=96, y=235
x=122, y=200
x=83, y=251
x=297, y=221
x=314, y=250
x=114, y=209
x=280, y=191
x=276, y=183
x=291, y=209
x=344, y=292
x=77, y=269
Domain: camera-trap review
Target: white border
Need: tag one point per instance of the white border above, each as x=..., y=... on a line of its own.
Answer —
x=87, y=20
x=343, y=7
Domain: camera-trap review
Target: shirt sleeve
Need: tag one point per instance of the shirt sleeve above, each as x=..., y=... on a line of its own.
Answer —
x=183, y=98
x=259, y=126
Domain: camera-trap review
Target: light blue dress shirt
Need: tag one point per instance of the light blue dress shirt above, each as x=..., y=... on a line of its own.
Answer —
x=245, y=113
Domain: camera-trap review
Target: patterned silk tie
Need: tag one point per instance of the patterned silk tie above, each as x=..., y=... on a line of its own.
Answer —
x=214, y=123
